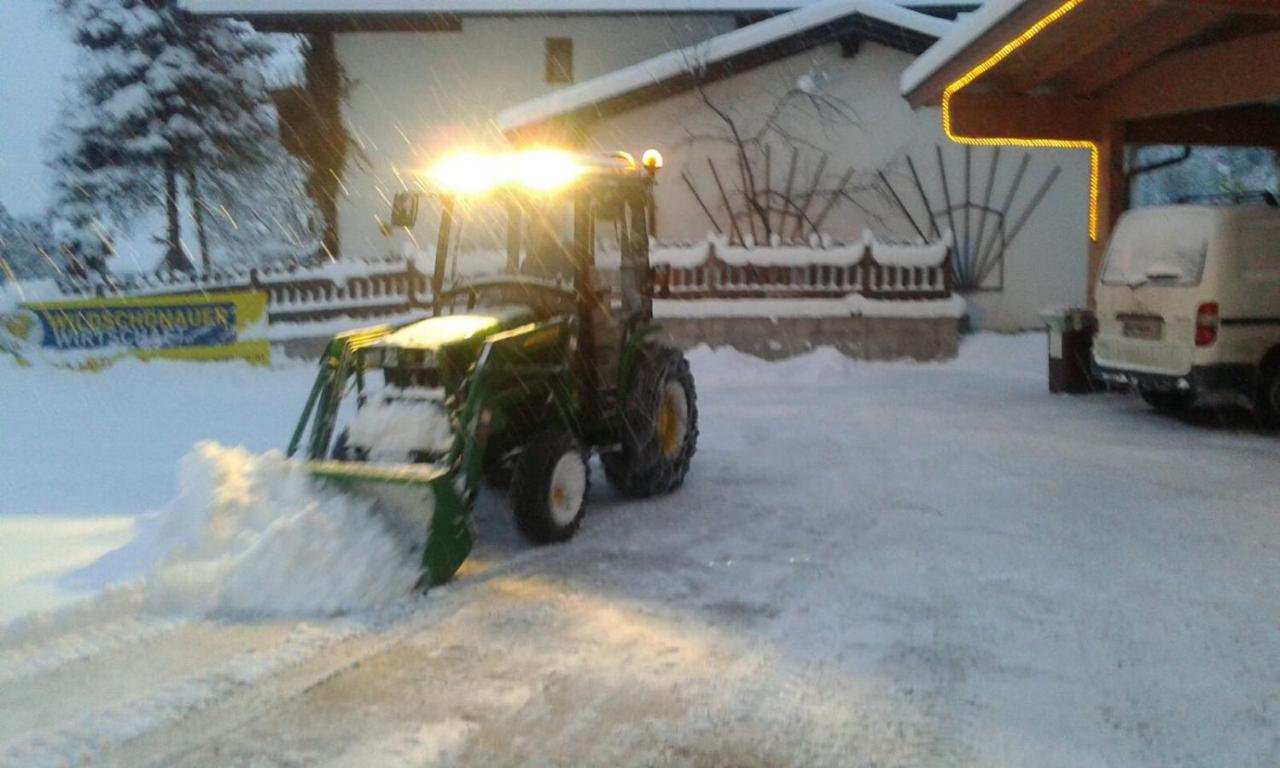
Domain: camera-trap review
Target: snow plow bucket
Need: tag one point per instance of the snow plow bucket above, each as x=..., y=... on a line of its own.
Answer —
x=420, y=503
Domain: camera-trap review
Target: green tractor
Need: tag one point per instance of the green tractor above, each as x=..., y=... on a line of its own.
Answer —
x=514, y=379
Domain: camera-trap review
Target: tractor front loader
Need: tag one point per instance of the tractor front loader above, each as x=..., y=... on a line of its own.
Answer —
x=517, y=378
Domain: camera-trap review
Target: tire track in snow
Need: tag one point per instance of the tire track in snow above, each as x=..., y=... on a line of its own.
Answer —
x=120, y=715
x=165, y=742
x=31, y=660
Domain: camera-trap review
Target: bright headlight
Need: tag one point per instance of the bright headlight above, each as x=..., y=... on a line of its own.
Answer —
x=537, y=170
x=468, y=173
x=545, y=170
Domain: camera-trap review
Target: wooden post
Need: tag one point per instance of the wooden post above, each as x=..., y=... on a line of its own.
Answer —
x=1113, y=196
x=410, y=286
x=326, y=140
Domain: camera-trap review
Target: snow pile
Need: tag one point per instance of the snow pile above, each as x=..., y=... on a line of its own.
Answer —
x=396, y=422
x=253, y=534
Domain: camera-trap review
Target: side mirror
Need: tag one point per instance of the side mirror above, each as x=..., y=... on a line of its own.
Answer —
x=404, y=210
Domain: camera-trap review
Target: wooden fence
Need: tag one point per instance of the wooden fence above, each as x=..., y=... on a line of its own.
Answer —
x=721, y=279
x=293, y=295
x=387, y=288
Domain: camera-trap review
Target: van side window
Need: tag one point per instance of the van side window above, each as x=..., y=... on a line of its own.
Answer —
x=1260, y=250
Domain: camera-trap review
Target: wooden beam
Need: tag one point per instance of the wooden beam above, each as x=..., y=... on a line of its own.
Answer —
x=1113, y=196
x=1247, y=6
x=1254, y=125
x=1240, y=71
x=1135, y=47
x=1021, y=18
x=979, y=115
x=1060, y=49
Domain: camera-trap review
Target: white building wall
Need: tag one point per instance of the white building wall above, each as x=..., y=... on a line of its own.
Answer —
x=415, y=94
x=1045, y=266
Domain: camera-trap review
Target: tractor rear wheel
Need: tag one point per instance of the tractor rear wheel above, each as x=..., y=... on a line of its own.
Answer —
x=659, y=426
x=549, y=487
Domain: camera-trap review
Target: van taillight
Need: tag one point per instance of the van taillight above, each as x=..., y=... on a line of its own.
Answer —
x=1207, y=324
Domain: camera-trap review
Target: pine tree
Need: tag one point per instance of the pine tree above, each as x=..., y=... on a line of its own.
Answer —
x=165, y=99
x=25, y=246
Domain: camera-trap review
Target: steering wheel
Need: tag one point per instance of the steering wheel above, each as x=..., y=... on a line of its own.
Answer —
x=528, y=292
x=472, y=292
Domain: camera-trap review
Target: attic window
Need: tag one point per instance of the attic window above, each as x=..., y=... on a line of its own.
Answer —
x=559, y=60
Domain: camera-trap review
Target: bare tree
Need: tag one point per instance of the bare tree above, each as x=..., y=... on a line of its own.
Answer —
x=782, y=207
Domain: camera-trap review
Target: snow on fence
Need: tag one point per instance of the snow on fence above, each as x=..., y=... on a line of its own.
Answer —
x=295, y=293
x=711, y=270
x=870, y=269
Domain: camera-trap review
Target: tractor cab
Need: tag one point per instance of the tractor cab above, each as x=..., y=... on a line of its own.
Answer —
x=538, y=352
x=542, y=234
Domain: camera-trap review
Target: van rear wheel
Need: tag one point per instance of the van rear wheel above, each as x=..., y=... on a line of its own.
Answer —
x=1266, y=402
x=1172, y=402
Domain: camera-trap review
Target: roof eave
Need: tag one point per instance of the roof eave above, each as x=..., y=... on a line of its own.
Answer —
x=925, y=88
x=830, y=32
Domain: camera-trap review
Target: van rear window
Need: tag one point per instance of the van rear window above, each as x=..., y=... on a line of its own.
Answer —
x=1166, y=247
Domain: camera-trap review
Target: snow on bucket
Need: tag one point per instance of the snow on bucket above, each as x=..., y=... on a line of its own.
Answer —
x=255, y=534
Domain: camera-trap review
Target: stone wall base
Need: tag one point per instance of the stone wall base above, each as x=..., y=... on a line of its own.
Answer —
x=861, y=338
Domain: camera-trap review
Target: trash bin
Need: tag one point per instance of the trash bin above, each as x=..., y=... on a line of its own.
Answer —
x=1070, y=350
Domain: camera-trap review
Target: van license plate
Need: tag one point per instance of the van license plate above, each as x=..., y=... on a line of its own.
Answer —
x=1146, y=328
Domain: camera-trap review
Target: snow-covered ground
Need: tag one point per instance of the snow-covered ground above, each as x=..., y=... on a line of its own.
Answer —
x=870, y=564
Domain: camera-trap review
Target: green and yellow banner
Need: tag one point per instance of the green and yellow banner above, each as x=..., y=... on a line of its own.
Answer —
x=213, y=326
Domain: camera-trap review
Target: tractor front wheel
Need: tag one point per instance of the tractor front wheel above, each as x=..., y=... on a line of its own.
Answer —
x=659, y=426
x=549, y=487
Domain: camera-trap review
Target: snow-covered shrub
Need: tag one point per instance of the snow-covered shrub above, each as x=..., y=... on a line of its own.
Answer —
x=173, y=111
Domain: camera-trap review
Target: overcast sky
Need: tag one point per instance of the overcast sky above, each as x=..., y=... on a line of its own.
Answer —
x=36, y=57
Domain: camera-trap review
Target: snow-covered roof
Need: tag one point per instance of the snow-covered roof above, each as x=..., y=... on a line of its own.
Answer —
x=675, y=64
x=966, y=32
x=250, y=8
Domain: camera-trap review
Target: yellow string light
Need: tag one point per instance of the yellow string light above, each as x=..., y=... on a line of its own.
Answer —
x=999, y=56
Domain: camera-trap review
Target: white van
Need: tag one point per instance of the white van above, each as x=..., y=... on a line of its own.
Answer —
x=1189, y=306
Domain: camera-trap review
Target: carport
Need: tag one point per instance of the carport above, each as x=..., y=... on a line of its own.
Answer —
x=1099, y=75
